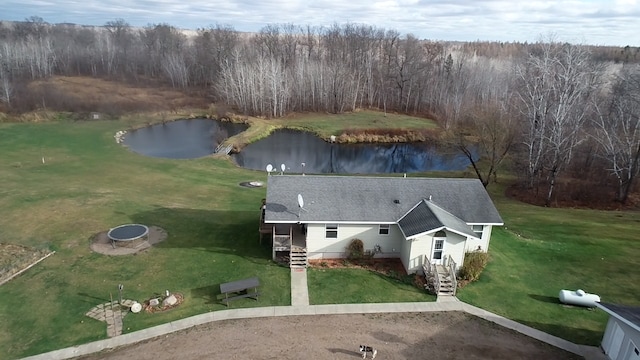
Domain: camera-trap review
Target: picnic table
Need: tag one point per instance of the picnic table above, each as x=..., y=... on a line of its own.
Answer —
x=245, y=288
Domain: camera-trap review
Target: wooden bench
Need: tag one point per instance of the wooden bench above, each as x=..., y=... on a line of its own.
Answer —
x=246, y=288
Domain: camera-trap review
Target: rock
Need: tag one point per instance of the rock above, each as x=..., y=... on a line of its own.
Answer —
x=170, y=301
x=136, y=307
x=154, y=302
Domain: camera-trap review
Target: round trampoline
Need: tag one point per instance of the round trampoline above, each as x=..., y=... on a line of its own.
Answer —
x=129, y=235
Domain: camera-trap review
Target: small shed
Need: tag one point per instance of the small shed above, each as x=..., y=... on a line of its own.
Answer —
x=621, y=340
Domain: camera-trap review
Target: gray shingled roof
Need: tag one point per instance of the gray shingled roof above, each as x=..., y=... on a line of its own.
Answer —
x=419, y=220
x=630, y=313
x=427, y=216
x=358, y=199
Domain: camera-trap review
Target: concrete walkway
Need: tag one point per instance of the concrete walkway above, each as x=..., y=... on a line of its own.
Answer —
x=300, y=306
x=299, y=288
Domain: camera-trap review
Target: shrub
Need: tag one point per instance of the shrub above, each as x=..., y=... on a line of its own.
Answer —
x=355, y=250
x=474, y=263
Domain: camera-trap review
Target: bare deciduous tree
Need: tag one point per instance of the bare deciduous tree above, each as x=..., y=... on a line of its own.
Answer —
x=6, y=88
x=557, y=83
x=618, y=131
x=485, y=137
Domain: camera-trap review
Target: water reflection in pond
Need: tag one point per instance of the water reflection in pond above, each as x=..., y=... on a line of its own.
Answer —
x=293, y=148
x=181, y=139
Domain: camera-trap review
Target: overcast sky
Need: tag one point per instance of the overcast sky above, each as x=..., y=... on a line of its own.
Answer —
x=600, y=22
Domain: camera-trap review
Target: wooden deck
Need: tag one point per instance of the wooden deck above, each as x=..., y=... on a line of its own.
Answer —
x=289, y=236
x=284, y=236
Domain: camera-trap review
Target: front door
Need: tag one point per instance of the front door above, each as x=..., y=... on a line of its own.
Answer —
x=437, y=255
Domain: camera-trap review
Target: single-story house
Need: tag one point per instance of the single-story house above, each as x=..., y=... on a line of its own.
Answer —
x=621, y=340
x=415, y=219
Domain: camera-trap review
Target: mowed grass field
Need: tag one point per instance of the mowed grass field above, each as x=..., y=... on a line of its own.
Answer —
x=64, y=182
x=541, y=251
x=88, y=184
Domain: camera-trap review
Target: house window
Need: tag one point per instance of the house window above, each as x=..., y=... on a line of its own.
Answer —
x=383, y=229
x=438, y=247
x=331, y=231
x=478, y=230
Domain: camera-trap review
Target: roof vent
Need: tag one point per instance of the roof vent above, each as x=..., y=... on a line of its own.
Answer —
x=429, y=197
x=396, y=201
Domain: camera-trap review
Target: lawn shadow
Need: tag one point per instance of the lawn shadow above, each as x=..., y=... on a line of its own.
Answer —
x=579, y=336
x=208, y=293
x=223, y=232
x=397, y=280
x=92, y=298
x=544, y=298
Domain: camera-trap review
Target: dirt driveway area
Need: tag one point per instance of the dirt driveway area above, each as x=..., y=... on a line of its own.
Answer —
x=447, y=335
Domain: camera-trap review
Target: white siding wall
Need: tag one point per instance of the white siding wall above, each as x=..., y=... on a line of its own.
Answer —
x=405, y=254
x=472, y=244
x=410, y=252
x=455, y=246
x=618, y=348
x=319, y=247
x=414, y=251
x=419, y=248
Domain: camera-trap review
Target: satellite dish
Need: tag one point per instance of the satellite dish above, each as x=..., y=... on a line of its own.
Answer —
x=283, y=167
x=269, y=168
x=300, y=201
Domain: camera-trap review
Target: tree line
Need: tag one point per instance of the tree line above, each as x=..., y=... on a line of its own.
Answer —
x=552, y=107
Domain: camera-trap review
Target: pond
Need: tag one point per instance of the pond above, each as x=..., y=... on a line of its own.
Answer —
x=295, y=148
x=194, y=138
x=181, y=139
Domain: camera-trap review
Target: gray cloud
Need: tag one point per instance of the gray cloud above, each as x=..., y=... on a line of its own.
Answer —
x=611, y=22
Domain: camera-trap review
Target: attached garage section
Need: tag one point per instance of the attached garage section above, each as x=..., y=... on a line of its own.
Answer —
x=621, y=340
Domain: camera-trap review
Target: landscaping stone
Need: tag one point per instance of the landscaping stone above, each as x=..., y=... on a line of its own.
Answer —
x=170, y=301
x=154, y=302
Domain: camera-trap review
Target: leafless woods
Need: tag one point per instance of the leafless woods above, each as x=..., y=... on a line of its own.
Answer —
x=552, y=108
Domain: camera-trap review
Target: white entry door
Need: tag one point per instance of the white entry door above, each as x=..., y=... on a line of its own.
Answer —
x=437, y=255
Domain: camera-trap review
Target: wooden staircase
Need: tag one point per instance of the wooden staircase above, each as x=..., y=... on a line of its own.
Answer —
x=447, y=286
x=298, y=257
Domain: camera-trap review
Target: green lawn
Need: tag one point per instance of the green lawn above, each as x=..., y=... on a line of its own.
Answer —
x=327, y=125
x=353, y=286
x=88, y=184
x=541, y=251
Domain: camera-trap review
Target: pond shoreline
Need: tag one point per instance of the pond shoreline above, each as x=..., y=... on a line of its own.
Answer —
x=259, y=129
